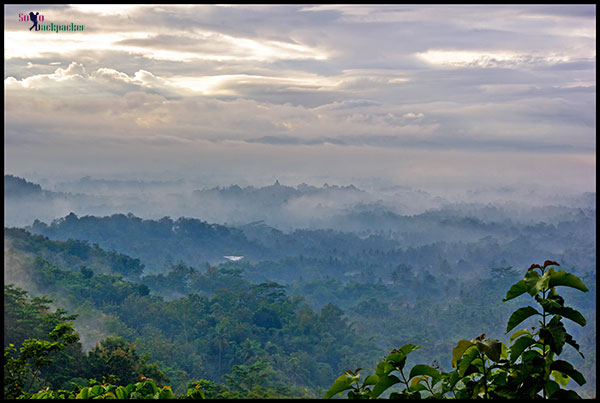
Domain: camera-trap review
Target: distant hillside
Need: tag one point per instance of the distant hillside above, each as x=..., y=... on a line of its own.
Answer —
x=25, y=202
x=158, y=243
x=70, y=254
x=19, y=187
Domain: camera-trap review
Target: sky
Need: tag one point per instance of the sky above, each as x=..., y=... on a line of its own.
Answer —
x=430, y=96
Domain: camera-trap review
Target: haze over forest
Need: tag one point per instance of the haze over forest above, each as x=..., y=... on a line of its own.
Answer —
x=382, y=164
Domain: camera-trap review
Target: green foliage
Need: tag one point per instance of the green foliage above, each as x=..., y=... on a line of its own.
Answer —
x=217, y=324
x=115, y=357
x=218, y=335
x=485, y=367
x=22, y=370
x=75, y=254
x=144, y=389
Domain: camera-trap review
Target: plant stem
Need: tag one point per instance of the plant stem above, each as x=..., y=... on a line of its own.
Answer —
x=405, y=381
x=485, y=392
x=36, y=373
x=544, y=342
x=429, y=387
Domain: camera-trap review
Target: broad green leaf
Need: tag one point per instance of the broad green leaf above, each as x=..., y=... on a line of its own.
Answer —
x=400, y=355
x=564, y=394
x=555, y=298
x=560, y=378
x=166, y=393
x=470, y=356
x=342, y=383
x=96, y=390
x=499, y=378
x=84, y=393
x=121, y=392
x=519, y=346
x=407, y=348
x=490, y=347
x=548, y=304
x=417, y=387
x=554, y=335
x=571, y=314
x=515, y=290
x=383, y=384
x=370, y=380
x=519, y=333
x=519, y=316
x=424, y=370
x=562, y=278
x=417, y=379
x=541, y=284
x=459, y=350
x=531, y=279
x=523, y=286
x=154, y=387
x=551, y=388
x=569, y=340
x=504, y=352
x=381, y=369
x=567, y=369
x=555, y=306
x=392, y=366
x=505, y=392
x=395, y=365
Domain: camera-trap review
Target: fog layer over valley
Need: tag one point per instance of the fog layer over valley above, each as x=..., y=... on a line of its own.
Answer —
x=277, y=221
x=284, y=207
x=399, y=263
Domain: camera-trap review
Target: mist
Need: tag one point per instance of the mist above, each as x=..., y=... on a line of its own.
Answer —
x=285, y=206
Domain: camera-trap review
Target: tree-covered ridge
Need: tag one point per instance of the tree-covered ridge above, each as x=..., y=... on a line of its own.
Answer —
x=473, y=243
x=234, y=326
x=485, y=367
x=153, y=241
x=73, y=253
x=19, y=187
x=391, y=304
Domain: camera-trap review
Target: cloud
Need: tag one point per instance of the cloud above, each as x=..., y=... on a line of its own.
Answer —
x=259, y=79
x=494, y=59
x=151, y=105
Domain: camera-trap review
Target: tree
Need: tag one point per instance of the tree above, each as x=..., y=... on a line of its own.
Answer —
x=21, y=371
x=116, y=357
x=485, y=367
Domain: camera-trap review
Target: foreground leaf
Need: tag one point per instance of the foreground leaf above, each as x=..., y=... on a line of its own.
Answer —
x=490, y=347
x=459, y=350
x=519, y=316
x=383, y=384
x=342, y=383
x=562, y=278
x=567, y=369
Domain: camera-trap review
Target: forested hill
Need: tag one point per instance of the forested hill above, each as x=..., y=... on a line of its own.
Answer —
x=72, y=254
x=160, y=242
x=243, y=338
x=475, y=244
x=256, y=338
x=19, y=187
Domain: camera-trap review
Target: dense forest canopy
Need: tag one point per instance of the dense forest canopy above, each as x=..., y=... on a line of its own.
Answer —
x=296, y=307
